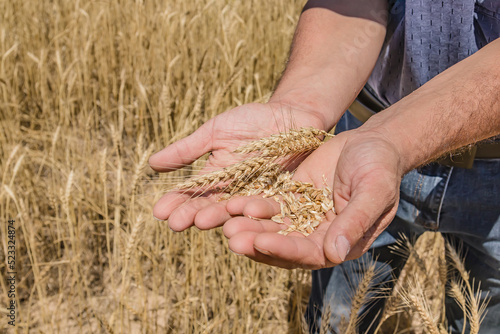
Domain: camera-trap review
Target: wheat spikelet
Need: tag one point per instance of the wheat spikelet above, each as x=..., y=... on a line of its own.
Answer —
x=253, y=184
x=222, y=92
x=197, y=113
x=360, y=298
x=414, y=298
x=115, y=136
x=405, y=248
x=9, y=160
x=424, y=254
x=457, y=261
x=393, y=302
x=475, y=309
x=241, y=169
x=442, y=329
x=166, y=110
x=164, y=102
x=285, y=143
x=16, y=169
x=443, y=277
x=304, y=326
x=103, y=323
x=102, y=166
x=343, y=324
x=139, y=167
x=325, y=320
x=457, y=292
x=67, y=193
x=133, y=237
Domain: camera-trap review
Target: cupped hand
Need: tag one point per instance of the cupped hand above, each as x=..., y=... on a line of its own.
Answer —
x=364, y=170
x=220, y=136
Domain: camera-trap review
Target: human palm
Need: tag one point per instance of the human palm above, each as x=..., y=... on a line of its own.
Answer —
x=363, y=171
x=220, y=136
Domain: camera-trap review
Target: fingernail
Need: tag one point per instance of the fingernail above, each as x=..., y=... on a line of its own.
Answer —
x=232, y=251
x=343, y=247
x=262, y=251
x=158, y=219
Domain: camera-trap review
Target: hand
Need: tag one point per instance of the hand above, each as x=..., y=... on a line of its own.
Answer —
x=221, y=135
x=364, y=170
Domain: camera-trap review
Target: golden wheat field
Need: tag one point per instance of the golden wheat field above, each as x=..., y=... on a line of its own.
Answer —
x=88, y=91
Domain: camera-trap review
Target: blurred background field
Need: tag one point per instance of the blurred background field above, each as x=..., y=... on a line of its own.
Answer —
x=88, y=90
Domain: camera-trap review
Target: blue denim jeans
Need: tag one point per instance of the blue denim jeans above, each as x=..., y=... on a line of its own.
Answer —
x=463, y=204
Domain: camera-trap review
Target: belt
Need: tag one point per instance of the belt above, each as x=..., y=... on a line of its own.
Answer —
x=367, y=105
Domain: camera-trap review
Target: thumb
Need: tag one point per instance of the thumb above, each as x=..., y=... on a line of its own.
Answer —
x=184, y=151
x=357, y=226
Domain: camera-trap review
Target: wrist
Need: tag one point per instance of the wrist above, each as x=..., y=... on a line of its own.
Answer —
x=398, y=147
x=309, y=92
x=416, y=140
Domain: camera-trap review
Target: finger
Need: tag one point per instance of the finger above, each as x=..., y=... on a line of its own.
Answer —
x=183, y=216
x=353, y=223
x=184, y=151
x=242, y=244
x=243, y=224
x=298, y=250
x=253, y=206
x=168, y=203
x=214, y=215
x=369, y=237
x=278, y=250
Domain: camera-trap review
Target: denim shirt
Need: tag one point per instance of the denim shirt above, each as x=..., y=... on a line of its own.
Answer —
x=425, y=37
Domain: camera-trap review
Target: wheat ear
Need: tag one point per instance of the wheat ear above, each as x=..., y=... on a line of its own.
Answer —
x=360, y=298
x=457, y=293
x=325, y=320
x=133, y=238
x=474, y=312
x=286, y=143
x=241, y=169
x=414, y=298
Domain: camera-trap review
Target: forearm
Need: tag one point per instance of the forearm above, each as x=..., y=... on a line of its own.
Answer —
x=333, y=53
x=460, y=106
